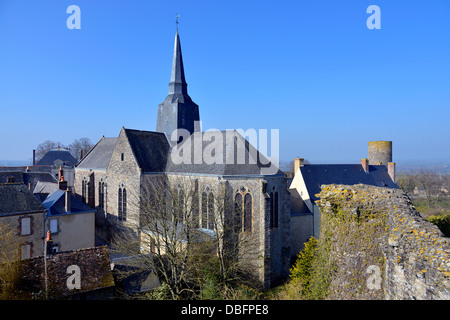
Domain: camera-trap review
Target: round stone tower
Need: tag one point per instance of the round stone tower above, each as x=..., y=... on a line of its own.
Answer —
x=380, y=152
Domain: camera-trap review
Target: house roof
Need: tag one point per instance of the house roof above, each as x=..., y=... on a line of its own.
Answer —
x=55, y=204
x=99, y=155
x=317, y=175
x=17, y=198
x=51, y=158
x=27, y=177
x=94, y=265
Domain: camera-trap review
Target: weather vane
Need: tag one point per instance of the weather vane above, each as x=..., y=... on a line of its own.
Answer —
x=176, y=17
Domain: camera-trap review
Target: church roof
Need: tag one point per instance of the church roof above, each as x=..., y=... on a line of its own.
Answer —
x=233, y=155
x=316, y=175
x=52, y=156
x=177, y=80
x=149, y=148
x=98, y=157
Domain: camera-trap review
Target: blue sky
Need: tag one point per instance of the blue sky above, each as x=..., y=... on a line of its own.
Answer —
x=311, y=69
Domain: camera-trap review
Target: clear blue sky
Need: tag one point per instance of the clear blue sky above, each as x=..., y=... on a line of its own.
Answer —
x=311, y=69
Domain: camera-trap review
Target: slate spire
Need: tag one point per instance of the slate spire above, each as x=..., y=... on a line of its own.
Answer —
x=177, y=80
x=177, y=111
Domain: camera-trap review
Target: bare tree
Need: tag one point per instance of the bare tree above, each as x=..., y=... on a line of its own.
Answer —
x=431, y=183
x=82, y=144
x=178, y=241
x=45, y=147
x=407, y=182
x=9, y=261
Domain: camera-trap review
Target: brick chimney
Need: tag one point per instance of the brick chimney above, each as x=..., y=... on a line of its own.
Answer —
x=62, y=185
x=68, y=204
x=298, y=162
x=365, y=164
x=391, y=170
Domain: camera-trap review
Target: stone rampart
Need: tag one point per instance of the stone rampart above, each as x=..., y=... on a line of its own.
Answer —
x=379, y=247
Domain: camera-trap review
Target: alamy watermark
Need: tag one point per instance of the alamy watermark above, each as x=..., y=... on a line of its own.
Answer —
x=374, y=280
x=229, y=147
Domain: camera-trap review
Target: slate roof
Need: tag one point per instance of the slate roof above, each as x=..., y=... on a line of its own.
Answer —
x=53, y=155
x=150, y=149
x=94, y=264
x=17, y=198
x=40, y=182
x=99, y=155
x=55, y=204
x=349, y=174
x=233, y=144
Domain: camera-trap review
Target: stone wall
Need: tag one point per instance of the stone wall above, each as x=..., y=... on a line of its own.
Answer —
x=377, y=246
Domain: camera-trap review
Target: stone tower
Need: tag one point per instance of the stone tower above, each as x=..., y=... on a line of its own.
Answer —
x=178, y=111
x=380, y=152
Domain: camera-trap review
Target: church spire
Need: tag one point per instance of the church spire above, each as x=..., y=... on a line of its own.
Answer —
x=178, y=111
x=177, y=80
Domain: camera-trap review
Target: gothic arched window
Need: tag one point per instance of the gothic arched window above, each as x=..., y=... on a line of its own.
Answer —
x=248, y=213
x=237, y=222
x=204, y=210
x=210, y=211
x=122, y=204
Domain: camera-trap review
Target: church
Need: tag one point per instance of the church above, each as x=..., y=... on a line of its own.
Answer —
x=117, y=170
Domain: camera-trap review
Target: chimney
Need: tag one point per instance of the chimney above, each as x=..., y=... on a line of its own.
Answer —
x=68, y=205
x=81, y=154
x=391, y=170
x=298, y=162
x=34, y=157
x=365, y=164
x=27, y=169
x=62, y=185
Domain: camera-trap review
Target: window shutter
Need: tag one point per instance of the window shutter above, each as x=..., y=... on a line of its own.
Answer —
x=53, y=226
x=26, y=226
x=25, y=251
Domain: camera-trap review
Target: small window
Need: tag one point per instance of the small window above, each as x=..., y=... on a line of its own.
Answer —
x=122, y=156
x=25, y=251
x=53, y=248
x=53, y=226
x=25, y=226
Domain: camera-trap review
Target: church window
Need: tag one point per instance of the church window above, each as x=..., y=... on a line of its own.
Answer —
x=122, y=156
x=248, y=213
x=273, y=208
x=237, y=222
x=181, y=206
x=122, y=204
x=210, y=211
x=101, y=194
x=83, y=191
x=204, y=210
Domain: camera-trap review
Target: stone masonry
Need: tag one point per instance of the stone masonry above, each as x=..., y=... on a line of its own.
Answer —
x=385, y=237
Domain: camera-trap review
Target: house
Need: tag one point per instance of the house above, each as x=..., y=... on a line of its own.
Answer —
x=70, y=221
x=113, y=175
x=40, y=183
x=308, y=179
x=23, y=213
x=83, y=274
x=57, y=159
